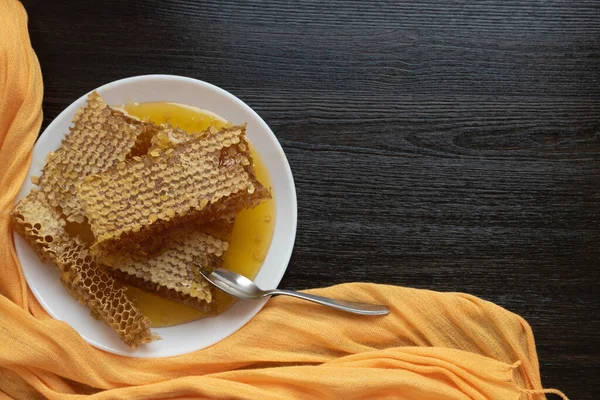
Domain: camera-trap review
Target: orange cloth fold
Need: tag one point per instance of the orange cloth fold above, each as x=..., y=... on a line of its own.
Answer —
x=432, y=345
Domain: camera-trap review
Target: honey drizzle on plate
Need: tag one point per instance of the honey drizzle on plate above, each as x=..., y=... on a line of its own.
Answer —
x=252, y=232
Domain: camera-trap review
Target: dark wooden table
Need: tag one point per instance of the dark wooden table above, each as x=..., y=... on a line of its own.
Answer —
x=449, y=145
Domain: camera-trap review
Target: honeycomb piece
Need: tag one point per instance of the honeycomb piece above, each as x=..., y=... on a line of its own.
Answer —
x=41, y=225
x=221, y=229
x=99, y=139
x=162, y=291
x=106, y=298
x=172, y=261
x=168, y=136
x=202, y=179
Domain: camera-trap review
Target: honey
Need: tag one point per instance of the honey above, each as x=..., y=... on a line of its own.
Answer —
x=252, y=231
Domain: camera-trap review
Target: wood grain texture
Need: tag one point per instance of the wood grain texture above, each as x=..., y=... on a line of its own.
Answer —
x=448, y=145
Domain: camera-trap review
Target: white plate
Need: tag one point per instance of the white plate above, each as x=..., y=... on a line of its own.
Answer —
x=43, y=279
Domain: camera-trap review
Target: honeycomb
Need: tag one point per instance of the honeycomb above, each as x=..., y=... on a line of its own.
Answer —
x=168, y=136
x=99, y=139
x=201, y=179
x=42, y=226
x=162, y=291
x=174, y=263
x=220, y=228
x=106, y=298
x=159, y=201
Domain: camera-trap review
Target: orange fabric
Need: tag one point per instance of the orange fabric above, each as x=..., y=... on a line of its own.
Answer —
x=432, y=345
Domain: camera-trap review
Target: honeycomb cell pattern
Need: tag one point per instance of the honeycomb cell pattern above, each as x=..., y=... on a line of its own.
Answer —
x=106, y=298
x=42, y=227
x=99, y=139
x=175, y=265
x=201, y=179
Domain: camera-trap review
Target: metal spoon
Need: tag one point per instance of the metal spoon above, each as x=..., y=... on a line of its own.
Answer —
x=243, y=288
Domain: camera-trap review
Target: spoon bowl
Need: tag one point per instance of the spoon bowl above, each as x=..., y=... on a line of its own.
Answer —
x=235, y=284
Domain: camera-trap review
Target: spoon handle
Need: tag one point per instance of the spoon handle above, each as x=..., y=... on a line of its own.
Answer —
x=349, y=306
